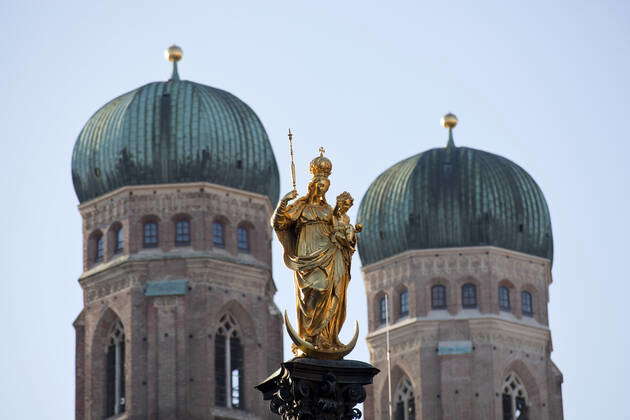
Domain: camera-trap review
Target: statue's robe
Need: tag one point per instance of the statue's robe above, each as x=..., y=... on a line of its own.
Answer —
x=321, y=268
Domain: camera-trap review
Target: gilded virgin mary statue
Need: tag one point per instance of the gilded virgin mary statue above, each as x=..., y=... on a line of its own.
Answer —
x=318, y=243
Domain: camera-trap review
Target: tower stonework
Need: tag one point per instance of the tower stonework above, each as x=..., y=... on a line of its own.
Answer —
x=177, y=182
x=170, y=300
x=457, y=252
x=457, y=359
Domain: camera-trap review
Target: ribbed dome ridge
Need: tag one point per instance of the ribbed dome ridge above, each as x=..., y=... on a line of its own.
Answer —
x=171, y=132
x=453, y=197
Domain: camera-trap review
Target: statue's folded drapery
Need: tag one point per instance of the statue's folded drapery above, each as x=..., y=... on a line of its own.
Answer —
x=322, y=269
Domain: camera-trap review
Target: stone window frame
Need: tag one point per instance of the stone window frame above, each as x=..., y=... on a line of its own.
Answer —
x=473, y=301
x=380, y=309
x=182, y=225
x=400, y=369
x=515, y=401
x=404, y=398
x=450, y=298
x=505, y=283
x=246, y=228
x=96, y=247
x=115, y=404
x=527, y=292
x=151, y=219
x=233, y=348
x=434, y=293
x=116, y=238
x=224, y=222
x=403, y=294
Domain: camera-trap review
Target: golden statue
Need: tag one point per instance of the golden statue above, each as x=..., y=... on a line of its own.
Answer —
x=318, y=243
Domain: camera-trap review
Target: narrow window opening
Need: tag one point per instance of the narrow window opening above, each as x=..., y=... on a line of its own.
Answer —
x=405, y=402
x=182, y=233
x=242, y=238
x=228, y=365
x=515, y=405
x=504, y=298
x=438, y=297
x=115, y=372
x=100, y=249
x=404, y=303
x=527, y=304
x=150, y=231
x=469, y=296
x=119, y=240
x=218, y=234
x=382, y=310
x=220, y=381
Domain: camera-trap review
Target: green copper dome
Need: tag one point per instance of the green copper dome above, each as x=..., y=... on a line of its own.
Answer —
x=172, y=132
x=453, y=197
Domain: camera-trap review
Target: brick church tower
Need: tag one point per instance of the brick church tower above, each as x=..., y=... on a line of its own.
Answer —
x=176, y=183
x=457, y=252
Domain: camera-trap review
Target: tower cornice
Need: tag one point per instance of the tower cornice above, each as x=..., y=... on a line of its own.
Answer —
x=460, y=251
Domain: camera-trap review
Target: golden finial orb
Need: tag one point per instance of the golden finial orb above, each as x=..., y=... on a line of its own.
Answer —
x=173, y=53
x=449, y=120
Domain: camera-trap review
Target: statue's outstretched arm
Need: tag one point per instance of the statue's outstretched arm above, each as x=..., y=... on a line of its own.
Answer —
x=284, y=216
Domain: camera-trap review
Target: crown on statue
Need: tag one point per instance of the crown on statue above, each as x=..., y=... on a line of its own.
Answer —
x=321, y=165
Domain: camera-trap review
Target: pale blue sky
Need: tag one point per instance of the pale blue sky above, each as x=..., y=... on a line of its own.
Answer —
x=542, y=83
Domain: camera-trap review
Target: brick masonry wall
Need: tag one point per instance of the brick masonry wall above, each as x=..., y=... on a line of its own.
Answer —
x=170, y=339
x=463, y=386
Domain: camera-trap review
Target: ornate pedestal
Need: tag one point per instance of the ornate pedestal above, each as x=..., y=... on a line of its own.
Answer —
x=312, y=389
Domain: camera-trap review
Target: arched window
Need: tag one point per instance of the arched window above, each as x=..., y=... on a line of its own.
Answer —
x=515, y=405
x=404, y=400
x=218, y=234
x=382, y=310
x=242, y=239
x=527, y=304
x=438, y=297
x=182, y=232
x=504, y=298
x=403, y=302
x=99, y=247
x=469, y=296
x=119, y=240
x=228, y=365
x=150, y=234
x=115, y=371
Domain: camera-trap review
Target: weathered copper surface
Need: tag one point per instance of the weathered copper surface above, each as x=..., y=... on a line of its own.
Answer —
x=452, y=197
x=170, y=132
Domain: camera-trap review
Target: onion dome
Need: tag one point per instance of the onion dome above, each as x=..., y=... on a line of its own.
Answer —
x=453, y=197
x=172, y=132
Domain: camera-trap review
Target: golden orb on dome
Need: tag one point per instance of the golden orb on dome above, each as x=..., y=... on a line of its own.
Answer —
x=449, y=120
x=173, y=53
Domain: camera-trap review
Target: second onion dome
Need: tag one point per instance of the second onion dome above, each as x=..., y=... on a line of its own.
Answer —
x=453, y=197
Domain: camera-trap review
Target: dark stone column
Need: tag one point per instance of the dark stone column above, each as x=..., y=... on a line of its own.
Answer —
x=311, y=389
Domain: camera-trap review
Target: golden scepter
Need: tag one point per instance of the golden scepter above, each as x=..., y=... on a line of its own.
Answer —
x=292, y=159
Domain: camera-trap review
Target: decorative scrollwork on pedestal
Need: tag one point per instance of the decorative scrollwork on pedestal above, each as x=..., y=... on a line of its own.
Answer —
x=308, y=389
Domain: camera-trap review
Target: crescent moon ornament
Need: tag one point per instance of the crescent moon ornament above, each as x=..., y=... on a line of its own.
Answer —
x=309, y=350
